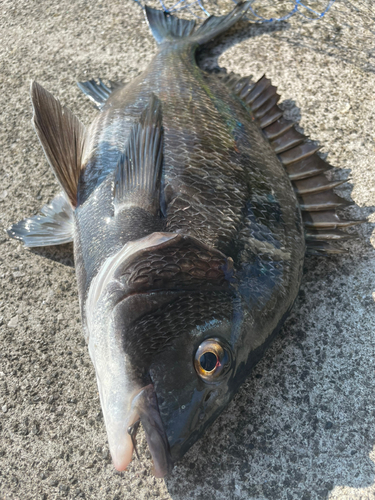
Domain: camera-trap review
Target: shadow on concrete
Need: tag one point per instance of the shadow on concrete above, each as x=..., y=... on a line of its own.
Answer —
x=208, y=56
x=61, y=253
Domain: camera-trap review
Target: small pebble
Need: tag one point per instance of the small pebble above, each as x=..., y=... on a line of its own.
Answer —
x=345, y=109
x=13, y=322
x=21, y=308
x=18, y=274
x=4, y=408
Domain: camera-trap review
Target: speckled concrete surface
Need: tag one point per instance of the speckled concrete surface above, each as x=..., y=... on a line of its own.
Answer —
x=303, y=426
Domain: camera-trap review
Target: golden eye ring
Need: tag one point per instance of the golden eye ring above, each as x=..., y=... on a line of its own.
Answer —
x=211, y=360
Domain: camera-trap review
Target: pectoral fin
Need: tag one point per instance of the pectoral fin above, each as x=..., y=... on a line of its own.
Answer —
x=137, y=178
x=62, y=137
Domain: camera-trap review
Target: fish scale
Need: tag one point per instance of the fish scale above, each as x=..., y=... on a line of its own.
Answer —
x=169, y=72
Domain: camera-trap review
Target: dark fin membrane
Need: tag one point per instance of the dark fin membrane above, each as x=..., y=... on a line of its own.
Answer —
x=62, y=137
x=323, y=248
x=304, y=166
x=315, y=184
x=98, y=93
x=166, y=27
x=327, y=219
x=327, y=235
x=319, y=202
x=137, y=177
x=53, y=227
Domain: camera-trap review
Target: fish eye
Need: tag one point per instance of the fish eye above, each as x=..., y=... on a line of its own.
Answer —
x=211, y=360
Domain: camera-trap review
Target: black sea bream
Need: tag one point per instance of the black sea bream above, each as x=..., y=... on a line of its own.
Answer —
x=191, y=202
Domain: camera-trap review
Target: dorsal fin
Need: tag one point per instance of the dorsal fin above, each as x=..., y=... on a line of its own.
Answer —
x=62, y=137
x=137, y=177
x=304, y=166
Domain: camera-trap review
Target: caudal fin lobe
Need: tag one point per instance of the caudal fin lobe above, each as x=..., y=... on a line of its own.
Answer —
x=168, y=28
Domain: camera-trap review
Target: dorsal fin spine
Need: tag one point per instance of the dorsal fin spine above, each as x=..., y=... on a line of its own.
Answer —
x=318, y=202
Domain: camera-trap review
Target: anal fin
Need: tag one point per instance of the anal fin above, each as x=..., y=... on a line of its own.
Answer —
x=98, y=93
x=53, y=227
x=137, y=177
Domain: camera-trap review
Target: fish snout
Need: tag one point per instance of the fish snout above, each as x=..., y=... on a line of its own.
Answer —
x=122, y=433
x=157, y=441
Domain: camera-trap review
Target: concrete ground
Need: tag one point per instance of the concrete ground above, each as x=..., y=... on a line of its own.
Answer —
x=303, y=426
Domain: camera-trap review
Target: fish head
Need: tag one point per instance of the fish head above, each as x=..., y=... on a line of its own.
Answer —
x=111, y=308
x=193, y=377
x=159, y=322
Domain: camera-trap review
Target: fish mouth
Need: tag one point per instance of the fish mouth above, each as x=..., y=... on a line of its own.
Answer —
x=144, y=409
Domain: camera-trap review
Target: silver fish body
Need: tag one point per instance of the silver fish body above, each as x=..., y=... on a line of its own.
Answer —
x=189, y=237
x=223, y=186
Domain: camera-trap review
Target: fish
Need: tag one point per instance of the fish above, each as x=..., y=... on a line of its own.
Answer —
x=191, y=203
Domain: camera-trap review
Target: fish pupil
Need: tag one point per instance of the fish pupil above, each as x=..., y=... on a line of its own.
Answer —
x=208, y=361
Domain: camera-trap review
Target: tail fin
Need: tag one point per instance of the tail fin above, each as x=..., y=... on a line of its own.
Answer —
x=168, y=28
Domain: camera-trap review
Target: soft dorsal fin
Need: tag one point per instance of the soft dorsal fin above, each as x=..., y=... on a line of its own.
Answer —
x=62, y=137
x=137, y=177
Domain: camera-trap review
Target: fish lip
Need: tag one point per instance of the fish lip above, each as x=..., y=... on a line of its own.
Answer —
x=148, y=409
x=144, y=408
